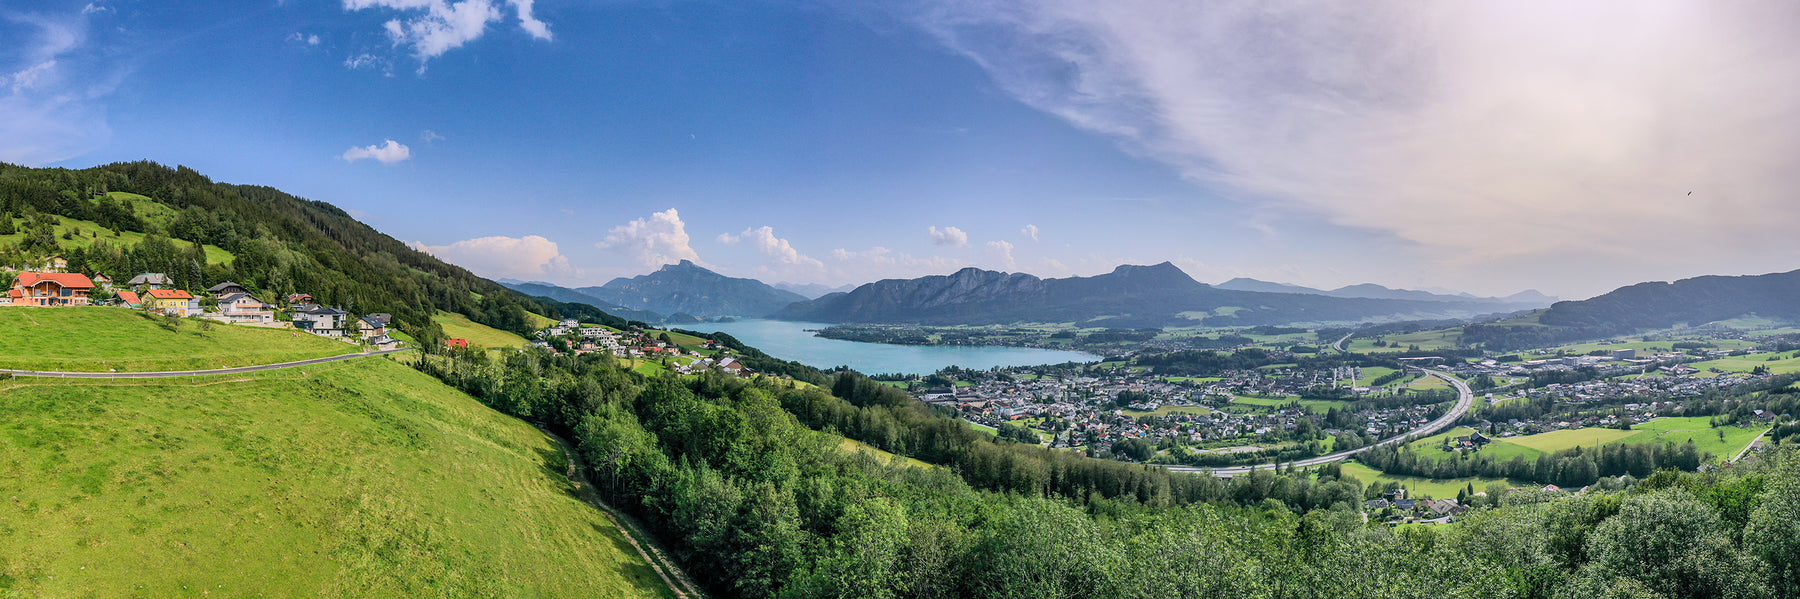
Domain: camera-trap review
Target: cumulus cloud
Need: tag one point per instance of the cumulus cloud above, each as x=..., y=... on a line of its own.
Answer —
x=434, y=27
x=1003, y=251
x=781, y=253
x=658, y=240
x=389, y=152
x=52, y=88
x=1481, y=132
x=528, y=257
x=1030, y=231
x=949, y=236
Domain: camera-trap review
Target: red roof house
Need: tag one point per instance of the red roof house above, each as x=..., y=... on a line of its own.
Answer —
x=50, y=289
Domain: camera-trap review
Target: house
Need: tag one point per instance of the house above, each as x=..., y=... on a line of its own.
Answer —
x=226, y=288
x=369, y=327
x=50, y=289
x=152, y=280
x=457, y=342
x=173, y=302
x=130, y=299
x=102, y=281
x=384, y=342
x=1444, y=507
x=242, y=307
x=325, y=322
x=299, y=298
x=384, y=318
x=56, y=264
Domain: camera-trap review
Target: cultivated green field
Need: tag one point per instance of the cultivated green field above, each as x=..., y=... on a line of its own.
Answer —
x=1433, y=339
x=1670, y=430
x=1564, y=439
x=457, y=326
x=97, y=339
x=354, y=479
x=1316, y=406
x=1784, y=363
x=1167, y=410
x=1418, y=486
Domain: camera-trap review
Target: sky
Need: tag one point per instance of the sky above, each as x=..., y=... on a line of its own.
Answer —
x=1482, y=147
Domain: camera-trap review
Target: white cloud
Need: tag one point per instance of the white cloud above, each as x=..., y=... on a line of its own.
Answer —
x=661, y=239
x=1003, y=250
x=312, y=40
x=1515, y=134
x=949, y=236
x=446, y=24
x=1030, y=231
x=369, y=61
x=428, y=136
x=880, y=262
x=528, y=257
x=93, y=8
x=774, y=248
x=52, y=89
x=389, y=152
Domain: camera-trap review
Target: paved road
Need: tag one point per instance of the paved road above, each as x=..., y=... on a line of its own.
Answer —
x=1339, y=345
x=1465, y=399
x=168, y=373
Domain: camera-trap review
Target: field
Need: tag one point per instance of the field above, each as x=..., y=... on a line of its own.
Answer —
x=457, y=326
x=1167, y=410
x=1417, y=486
x=1671, y=430
x=1784, y=363
x=96, y=339
x=87, y=232
x=359, y=478
x=1433, y=339
x=1316, y=406
x=855, y=446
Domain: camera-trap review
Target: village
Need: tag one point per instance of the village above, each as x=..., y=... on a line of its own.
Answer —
x=231, y=303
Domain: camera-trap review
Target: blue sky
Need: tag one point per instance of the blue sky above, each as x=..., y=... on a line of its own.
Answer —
x=1546, y=146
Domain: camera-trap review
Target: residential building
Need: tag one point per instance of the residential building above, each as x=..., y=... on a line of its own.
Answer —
x=226, y=288
x=325, y=322
x=130, y=299
x=50, y=289
x=369, y=327
x=150, y=280
x=174, y=302
x=242, y=307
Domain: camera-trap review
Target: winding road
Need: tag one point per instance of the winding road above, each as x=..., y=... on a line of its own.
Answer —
x=169, y=373
x=1464, y=400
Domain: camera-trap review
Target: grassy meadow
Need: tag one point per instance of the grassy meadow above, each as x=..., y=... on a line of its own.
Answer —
x=87, y=232
x=98, y=339
x=353, y=479
x=457, y=326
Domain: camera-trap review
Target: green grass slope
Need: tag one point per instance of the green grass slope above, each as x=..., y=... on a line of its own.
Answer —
x=354, y=479
x=457, y=326
x=97, y=339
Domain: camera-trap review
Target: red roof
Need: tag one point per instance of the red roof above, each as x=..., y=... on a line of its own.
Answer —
x=129, y=297
x=14, y=293
x=456, y=342
x=168, y=294
x=72, y=280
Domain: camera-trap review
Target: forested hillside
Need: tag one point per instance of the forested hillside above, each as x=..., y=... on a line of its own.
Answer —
x=278, y=244
x=736, y=479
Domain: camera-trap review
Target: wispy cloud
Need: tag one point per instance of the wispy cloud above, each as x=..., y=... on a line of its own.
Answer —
x=52, y=92
x=1003, y=253
x=658, y=240
x=1030, y=231
x=528, y=257
x=434, y=27
x=1479, y=132
x=388, y=152
x=948, y=236
x=865, y=265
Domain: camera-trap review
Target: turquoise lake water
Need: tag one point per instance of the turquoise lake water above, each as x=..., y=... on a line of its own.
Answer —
x=792, y=341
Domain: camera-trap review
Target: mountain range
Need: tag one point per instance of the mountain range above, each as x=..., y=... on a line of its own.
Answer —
x=1529, y=298
x=1129, y=296
x=564, y=294
x=688, y=288
x=1695, y=301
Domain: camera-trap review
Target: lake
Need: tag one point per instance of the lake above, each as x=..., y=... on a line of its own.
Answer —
x=792, y=341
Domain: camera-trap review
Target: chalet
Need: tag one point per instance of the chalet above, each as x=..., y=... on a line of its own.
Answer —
x=173, y=302
x=369, y=327
x=384, y=318
x=56, y=264
x=50, y=289
x=103, y=281
x=325, y=322
x=150, y=280
x=130, y=299
x=242, y=307
x=299, y=298
x=227, y=288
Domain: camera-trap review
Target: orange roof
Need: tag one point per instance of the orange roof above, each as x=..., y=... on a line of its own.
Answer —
x=73, y=280
x=14, y=293
x=129, y=297
x=168, y=294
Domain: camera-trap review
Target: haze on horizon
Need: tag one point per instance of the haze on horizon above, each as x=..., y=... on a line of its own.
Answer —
x=1566, y=147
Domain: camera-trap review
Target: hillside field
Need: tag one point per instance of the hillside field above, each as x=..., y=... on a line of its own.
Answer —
x=99, y=339
x=1723, y=442
x=353, y=479
x=87, y=232
x=457, y=326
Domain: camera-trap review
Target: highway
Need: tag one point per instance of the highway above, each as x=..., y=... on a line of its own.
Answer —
x=1339, y=345
x=1464, y=400
x=169, y=373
